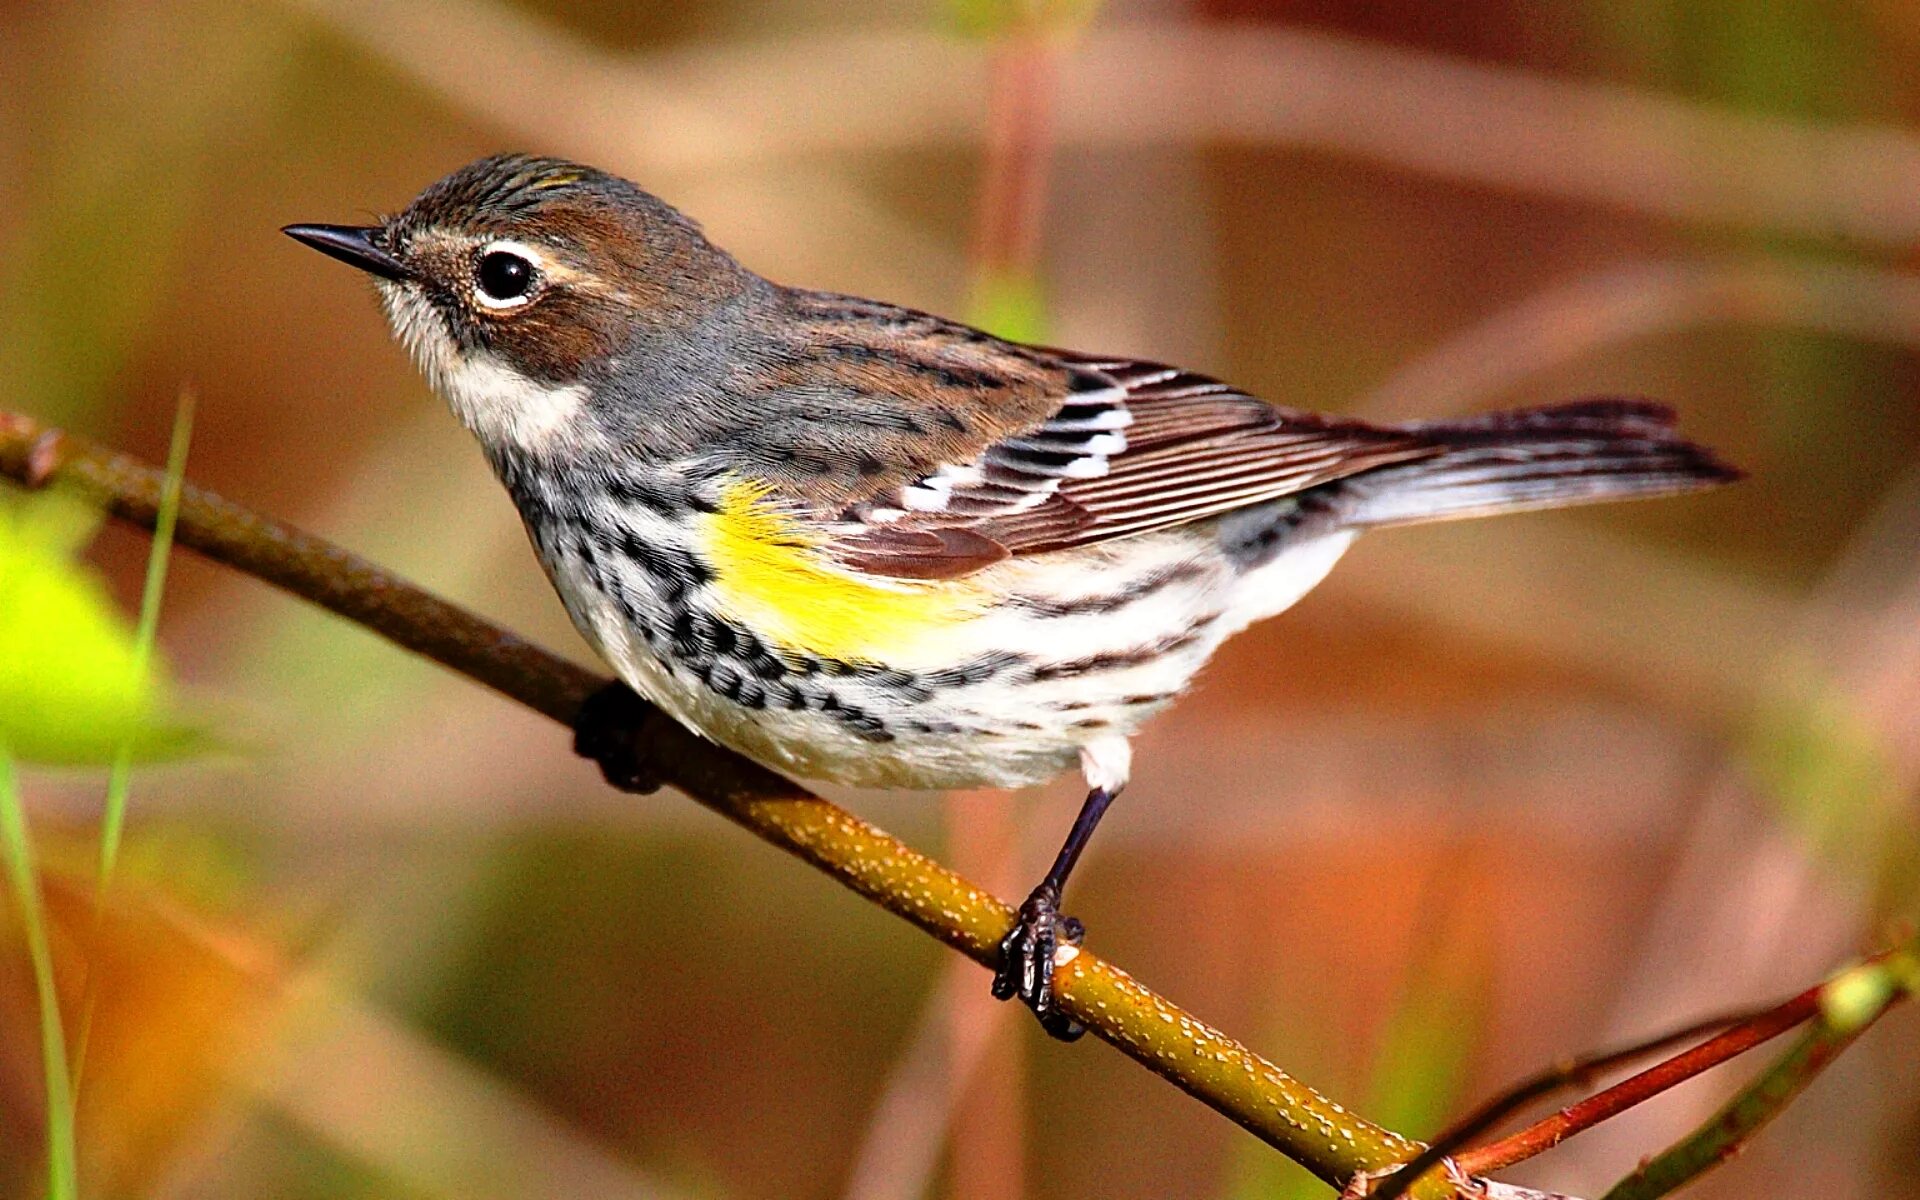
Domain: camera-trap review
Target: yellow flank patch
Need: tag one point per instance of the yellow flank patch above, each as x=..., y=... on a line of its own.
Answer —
x=771, y=576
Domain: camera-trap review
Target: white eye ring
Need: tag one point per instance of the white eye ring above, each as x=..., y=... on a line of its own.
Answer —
x=528, y=276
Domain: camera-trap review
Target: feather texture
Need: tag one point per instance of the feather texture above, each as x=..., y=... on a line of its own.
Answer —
x=925, y=450
x=1132, y=447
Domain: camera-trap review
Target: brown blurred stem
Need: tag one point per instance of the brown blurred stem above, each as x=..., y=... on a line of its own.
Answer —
x=1318, y=1134
x=1013, y=191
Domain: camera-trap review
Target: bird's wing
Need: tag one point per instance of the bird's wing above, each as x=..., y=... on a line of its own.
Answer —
x=1125, y=448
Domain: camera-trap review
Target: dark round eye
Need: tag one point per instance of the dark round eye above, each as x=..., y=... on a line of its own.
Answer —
x=504, y=275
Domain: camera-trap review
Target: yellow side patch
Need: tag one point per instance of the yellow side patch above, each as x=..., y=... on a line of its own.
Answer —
x=771, y=576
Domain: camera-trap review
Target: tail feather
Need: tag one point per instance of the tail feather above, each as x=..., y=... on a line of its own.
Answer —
x=1578, y=453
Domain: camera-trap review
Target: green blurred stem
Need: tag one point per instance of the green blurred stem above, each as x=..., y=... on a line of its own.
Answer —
x=62, y=1175
x=1312, y=1130
x=1765, y=1098
x=119, y=781
x=1721, y=1137
x=113, y=817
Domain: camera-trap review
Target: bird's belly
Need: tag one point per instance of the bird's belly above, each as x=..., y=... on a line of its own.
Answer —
x=864, y=728
x=1069, y=653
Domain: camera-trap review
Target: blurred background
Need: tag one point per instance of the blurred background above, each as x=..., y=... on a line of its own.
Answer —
x=1495, y=793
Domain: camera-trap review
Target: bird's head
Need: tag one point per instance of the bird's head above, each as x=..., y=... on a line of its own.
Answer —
x=535, y=293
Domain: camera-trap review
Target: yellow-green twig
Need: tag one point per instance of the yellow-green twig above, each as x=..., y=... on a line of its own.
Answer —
x=1290, y=1116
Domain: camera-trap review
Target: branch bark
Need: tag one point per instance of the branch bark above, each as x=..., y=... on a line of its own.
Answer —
x=1312, y=1130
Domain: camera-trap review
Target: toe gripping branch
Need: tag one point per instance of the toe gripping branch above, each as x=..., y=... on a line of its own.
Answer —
x=1027, y=960
x=613, y=731
x=1040, y=931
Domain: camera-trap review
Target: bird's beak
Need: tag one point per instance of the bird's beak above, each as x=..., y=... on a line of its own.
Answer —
x=352, y=244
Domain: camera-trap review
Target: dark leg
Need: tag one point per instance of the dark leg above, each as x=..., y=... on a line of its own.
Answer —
x=1026, y=953
x=610, y=730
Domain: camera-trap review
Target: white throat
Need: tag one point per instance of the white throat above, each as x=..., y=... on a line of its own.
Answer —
x=502, y=407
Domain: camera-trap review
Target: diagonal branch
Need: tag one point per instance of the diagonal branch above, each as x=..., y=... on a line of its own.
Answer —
x=1288, y=1115
x=1339, y=1147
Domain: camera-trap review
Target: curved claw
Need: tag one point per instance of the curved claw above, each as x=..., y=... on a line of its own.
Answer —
x=1027, y=960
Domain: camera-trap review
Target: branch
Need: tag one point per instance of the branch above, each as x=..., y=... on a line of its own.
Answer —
x=1342, y=1149
x=1842, y=1007
x=1312, y=1130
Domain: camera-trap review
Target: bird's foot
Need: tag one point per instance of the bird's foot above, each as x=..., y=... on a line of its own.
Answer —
x=610, y=730
x=1028, y=957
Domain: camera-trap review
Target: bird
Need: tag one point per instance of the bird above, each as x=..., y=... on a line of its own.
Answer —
x=866, y=544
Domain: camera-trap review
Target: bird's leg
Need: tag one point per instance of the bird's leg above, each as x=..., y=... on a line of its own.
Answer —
x=1027, y=952
x=611, y=730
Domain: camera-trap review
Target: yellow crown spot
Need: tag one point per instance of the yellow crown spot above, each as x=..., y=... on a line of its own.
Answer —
x=771, y=576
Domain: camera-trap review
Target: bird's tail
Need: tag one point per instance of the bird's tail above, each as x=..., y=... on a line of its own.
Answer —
x=1589, y=450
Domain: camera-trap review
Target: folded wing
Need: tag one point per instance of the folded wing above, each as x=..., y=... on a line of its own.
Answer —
x=1132, y=447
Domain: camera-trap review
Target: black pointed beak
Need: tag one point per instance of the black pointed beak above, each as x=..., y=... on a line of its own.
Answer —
x=351, y=244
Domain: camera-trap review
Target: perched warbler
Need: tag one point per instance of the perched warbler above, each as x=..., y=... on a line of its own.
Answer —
x=865, y=544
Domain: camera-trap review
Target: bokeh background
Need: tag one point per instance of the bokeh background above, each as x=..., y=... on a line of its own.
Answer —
x=1495, y=793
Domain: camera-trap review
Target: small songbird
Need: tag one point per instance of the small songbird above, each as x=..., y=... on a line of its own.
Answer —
x=861, y=543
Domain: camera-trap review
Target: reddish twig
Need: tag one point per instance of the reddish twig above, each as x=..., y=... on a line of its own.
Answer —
x=1575, y=1072
x=1546, y=1134
x=1849, y=1005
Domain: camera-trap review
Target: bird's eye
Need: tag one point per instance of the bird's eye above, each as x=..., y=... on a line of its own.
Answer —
x=505, y=278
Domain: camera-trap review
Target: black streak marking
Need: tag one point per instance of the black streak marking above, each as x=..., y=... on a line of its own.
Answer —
x=1107, y=602
x=1113, y=660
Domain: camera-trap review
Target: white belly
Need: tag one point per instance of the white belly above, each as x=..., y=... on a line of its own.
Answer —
x=1083, y=648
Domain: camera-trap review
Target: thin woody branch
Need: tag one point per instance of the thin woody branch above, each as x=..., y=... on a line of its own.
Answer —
x=1315, y=1132
x=1731, y=1036
x=1848, y=1005
x=1602, y=1106
x=1734, y=1125
x=1575, y=1072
